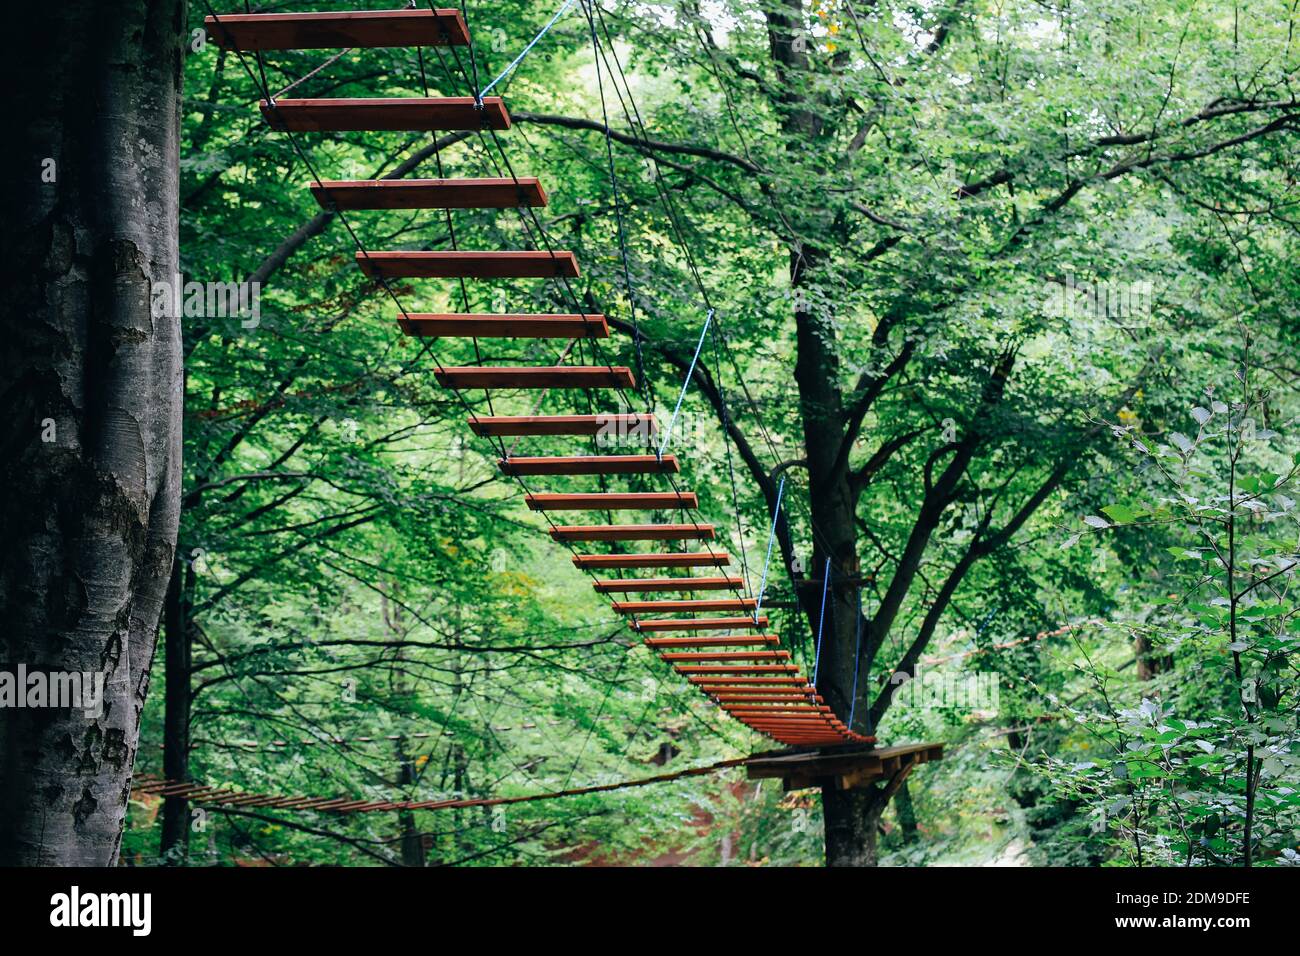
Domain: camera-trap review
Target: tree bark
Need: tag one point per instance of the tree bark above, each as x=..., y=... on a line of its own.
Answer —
x=178, y=697
x=90, y=399
x=852, y=819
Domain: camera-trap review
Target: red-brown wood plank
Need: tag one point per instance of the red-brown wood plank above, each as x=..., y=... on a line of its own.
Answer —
x=409, y=114
x=337, y=30
x=736, y=669
x=604, y=424
x=715, y=640
x=591, y=465
x=535, y=376
x=633, y=532
x=616, y=501
x=644, y=585
x=444, y=264
x=685, y=657
x=676, y=607
x=434, y=325
x=756, y=681
x=429, y=193
x=757, y=699
x=683, y=559
x=700, y=624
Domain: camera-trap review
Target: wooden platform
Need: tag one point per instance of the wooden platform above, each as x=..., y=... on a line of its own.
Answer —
x=840, y=768
x=337, y=30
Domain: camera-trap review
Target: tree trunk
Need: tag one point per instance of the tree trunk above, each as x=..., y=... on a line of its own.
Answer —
x=178, y=697
x=90, y=401
x=852, y=819
x=906, y=814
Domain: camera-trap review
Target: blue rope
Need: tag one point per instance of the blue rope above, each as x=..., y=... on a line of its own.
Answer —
x=826, y=584
x=771, y=536
x=685, y=385
x=517, y=60
x=857, y=659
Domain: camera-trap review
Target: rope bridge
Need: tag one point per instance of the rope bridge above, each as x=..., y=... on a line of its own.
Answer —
x=712, y=631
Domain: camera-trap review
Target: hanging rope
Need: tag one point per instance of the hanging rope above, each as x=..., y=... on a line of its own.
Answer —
x=857, y=659
x=690, y=372
x=821, y=621
x=771, y=536
x=517, y=60
x=222, y=796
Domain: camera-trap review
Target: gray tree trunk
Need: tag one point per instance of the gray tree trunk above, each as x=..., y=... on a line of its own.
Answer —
x=90, y=401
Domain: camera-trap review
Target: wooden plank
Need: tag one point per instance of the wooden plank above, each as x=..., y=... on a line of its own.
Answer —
x=700, y=624
x=645, y=585
x=406, y=114
x=435, y=325
x=748, y=681
x=506, y=426
x=533, y=376
x=591, y=465
x=616, y=501
x=715, y=640
x=502, y=193
x=337, y=30
x=683, y=607
x=633, y=532
x=734, y=669
x=675, y=559
x=686, y=657
x=447, y=264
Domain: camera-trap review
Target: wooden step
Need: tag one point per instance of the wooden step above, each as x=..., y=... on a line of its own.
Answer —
x=700, y=624
x=633, y=532
x=756, y=681
x=702, y=657
x=760, y=699
x=736, y=669
x=408, y=114
x=762, y=689
x=641, y=585
x=674, y=607
x=535, y=376
x=506, y=426
x=591, y=465
x=437, y=325
x=761, y=710
x=684, y=559
x=618, y=501
x=337, y=30
x=519, y=264
x=762, y=695
x=714, y=640
x=429, y=193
